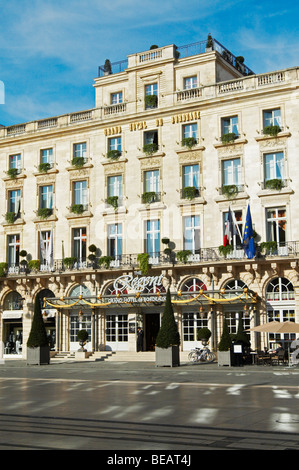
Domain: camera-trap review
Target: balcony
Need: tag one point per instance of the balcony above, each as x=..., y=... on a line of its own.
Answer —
x=286, y=250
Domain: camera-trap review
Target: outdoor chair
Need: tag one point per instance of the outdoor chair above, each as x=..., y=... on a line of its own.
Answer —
x=262, y=358
x=278, y=359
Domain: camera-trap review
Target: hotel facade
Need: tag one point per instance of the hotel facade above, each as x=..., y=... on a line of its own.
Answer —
x=104, y=209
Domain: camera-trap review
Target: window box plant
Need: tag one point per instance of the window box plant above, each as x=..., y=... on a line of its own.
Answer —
x=3, y=269
x=268, y=247
x=113, y=201
x=12, y=172
x=78, y=162
x=190, y=192
x=77, y=208
x=229, y=137
x=168, y=338
x=150, y=148
x=189, y=142
x=275, y=183
x=105, y=261
x=10, y=217
x=148, y=197
x=44, y=212
x=271, y=130
x=151, y=101
x=113, y=154
x=38, y=351
x=44, y=167
x=34, y=265
x=225, y=250
x=229, y=190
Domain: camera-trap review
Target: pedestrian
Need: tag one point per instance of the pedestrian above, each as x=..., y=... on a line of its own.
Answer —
x=139, y=339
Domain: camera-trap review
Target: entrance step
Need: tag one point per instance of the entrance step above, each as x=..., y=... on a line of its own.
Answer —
x=128, y=356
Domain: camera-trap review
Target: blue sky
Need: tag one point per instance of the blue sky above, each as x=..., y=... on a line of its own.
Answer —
x=51, y=49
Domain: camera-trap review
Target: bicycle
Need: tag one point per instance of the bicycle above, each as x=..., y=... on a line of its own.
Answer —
x=201, y=355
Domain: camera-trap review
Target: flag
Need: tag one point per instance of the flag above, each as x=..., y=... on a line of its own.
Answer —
x=228, y=229
x=248, y=240
x=42, y=244
x=50, y=251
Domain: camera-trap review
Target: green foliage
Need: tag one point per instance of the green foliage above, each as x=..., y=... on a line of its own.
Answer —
x=225, y=341
x=225, y=250
x=150, y=148
x=151, y=101
x=34, y=264
x=23, y=253
x=105, y=261
x=268, y=246
x=44, y=167
x=12, y=172
x=241, y=336
x=3, y=269
x=182, y=255
x=44, y=212
x=209, y=43
x=77, y=208
x=92, y=248
x=274, y=183
x=229, y=190
x=78, y=162
x=229, y=137
x=190, y=192
x=203, y=334
x=107, y=67
x=10, y=217
x=271, y=130
x=113, y=154
x=148, y=197
x=142, y=259
x=188, y=142
x=69, y=262
x=168, y=334
x=82, y=336
x=113, y=201
x=38, y=334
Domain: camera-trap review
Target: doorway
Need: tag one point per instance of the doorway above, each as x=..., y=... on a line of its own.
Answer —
x=152, y=326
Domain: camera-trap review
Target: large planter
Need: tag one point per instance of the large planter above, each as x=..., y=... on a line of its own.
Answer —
x=224, y=358
x=167, y=357
x=39, y=355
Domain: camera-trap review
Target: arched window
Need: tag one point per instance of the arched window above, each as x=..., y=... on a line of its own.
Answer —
x=80, y=289
x=115, y=288
x=234, y=286
x=13, y=301
x=193, y=285
x=280, y=289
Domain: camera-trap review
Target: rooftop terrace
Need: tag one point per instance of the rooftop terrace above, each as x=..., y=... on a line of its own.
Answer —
x=196, y=48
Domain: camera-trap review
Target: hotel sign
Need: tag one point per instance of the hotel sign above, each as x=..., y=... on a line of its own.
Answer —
x=137, y=284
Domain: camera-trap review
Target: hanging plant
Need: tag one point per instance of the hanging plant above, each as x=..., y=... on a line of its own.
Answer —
x=142, y=259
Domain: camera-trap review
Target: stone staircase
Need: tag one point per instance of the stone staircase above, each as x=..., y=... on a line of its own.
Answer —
x=114, y=356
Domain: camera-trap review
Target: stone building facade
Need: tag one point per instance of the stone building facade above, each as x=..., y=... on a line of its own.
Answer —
x=177, y=137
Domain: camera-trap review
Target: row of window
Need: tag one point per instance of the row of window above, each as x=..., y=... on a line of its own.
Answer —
x=275, y=224
x=229, y=127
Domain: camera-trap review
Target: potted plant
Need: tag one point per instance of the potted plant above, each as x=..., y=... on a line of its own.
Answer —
x=92, y=256
x=69, y=262
x=82, y=337
x=190, y=192
x=105, y=261
x=150, y=148
x=151, y=101
x=78, y=162
x=182, y=255
x=225, y=346
x=107, y=67
x=44, y=167
x=113, y=154
x=3, y=269
x=77, y=208
x=168, y=338
x=228, y=137
x=209, y=44
x=229, y=190
x=275, y=183
x=44, y=212
x=225, y=250
x=12, y=172
x=188, y=142
x=203, y=335
x=268, y=247
x=34, y=265
x=38, y=351
x=148, y=197
x=271, y=130
x=113, y=201
x=10, y=217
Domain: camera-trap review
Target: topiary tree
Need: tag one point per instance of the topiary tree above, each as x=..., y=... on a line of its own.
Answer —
x=82, y=337
x=225, y=342
x=38, y=334
x=203, y=334
x=242, y=337
x=168, y=334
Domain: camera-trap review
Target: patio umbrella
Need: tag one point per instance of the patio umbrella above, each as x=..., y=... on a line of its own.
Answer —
x=277, y=327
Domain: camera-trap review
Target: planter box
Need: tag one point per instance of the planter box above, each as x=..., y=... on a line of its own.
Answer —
x=81, y=355
x=38, y=356
x=224, y=358
x=169, y=357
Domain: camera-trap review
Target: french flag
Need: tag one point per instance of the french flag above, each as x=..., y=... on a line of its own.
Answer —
x=229, y=229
